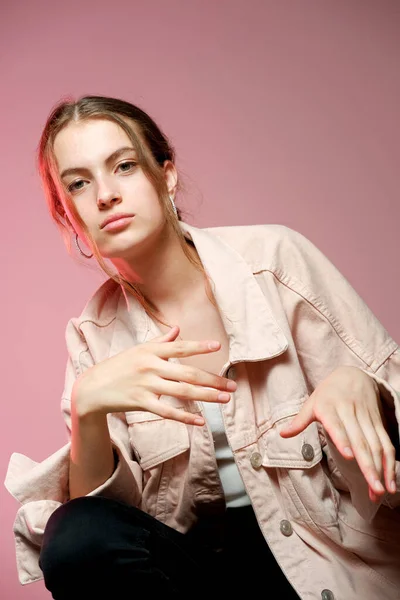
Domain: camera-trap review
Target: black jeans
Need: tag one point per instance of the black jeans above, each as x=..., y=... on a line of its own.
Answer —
x=97, y=548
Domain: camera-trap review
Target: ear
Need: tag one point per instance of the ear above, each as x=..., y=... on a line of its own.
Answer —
x=63, y=214
x=60, y=209
x=69, y=225
x=171, y=176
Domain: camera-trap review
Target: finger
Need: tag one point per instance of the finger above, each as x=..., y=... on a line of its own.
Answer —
x=169, y=336
x=189, y=374
x=183, y=348
x=372, y=496
x=362, y=453
x=336, y=430
x=375, y=446
x=169, y=412
x=301, y=420
x=186, y=391
x=389, y=460
x=388, y=450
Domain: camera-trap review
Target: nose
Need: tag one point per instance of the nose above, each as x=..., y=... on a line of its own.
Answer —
x=107, y=195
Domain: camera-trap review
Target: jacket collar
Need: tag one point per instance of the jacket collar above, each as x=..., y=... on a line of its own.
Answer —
x=251, y=328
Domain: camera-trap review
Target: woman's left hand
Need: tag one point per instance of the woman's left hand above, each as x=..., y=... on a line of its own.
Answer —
x=347, y=403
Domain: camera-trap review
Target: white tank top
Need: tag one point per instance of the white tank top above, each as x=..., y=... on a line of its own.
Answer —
x=232, y=483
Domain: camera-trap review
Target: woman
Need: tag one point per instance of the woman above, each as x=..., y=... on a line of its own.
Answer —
x=230, y=399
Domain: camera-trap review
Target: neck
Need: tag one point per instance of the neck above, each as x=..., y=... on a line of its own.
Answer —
x=165, y=275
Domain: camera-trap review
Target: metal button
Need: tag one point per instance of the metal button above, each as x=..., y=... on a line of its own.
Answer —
x=256, y=460
x=307, y=452
x=327, y=595
x=232, y=373
x=286, y=528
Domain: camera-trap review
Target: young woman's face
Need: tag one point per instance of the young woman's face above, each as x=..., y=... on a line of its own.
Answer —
x=98, y=170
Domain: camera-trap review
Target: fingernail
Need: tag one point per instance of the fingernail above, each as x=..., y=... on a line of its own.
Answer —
x=393, y=486
x=198, y=421
x=223, y=396
x=213, y=345
x=231, y=386
x=348, y=451
x=378, y=486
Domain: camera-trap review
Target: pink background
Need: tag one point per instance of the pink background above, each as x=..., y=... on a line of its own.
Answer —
x=281, y=112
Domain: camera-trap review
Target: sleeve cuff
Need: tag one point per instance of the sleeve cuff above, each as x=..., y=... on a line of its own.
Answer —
x=390, y=399
x=42, y=487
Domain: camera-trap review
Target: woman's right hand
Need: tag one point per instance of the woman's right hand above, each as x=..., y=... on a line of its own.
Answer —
x=136, y=378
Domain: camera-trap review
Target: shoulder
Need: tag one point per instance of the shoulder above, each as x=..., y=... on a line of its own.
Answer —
x=269, y=247
x=100, y=309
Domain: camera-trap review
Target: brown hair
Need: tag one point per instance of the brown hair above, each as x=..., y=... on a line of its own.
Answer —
x=152, y=148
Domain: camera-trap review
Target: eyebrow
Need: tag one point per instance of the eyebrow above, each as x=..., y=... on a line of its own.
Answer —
x=110, y=159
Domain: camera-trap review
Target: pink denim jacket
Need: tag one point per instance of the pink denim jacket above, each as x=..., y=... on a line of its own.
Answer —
x=291, y=319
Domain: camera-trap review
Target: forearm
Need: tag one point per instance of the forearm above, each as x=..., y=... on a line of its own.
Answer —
x=91, y=458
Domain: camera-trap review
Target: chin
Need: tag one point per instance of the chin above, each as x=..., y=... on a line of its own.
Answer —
x=123, y=248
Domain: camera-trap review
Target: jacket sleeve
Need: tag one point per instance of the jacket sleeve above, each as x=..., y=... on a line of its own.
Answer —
x=332, y=326
x=41, y=487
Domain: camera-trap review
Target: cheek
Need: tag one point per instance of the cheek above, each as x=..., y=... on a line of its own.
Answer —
x=144, y=199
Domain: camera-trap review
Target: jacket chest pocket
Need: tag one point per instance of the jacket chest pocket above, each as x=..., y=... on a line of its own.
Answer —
x=307, y=490
x=154, y=439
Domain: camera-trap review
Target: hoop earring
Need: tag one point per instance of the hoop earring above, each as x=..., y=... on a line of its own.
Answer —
x=80, y=251
x=173, y=206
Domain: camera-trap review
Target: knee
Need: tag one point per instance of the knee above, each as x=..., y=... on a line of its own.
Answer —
x=78, y=534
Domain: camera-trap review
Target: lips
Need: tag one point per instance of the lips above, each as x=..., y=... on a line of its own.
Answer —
x=115, y=217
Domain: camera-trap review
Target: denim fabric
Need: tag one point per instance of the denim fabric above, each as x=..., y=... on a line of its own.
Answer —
x=95, y=547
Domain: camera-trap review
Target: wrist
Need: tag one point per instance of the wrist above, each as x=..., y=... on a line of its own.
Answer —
x=82, y=402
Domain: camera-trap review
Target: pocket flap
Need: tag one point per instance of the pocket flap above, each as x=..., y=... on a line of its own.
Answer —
x=155, y=439
x=302, y=451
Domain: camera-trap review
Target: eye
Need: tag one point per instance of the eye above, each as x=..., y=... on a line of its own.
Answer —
x=126, y=166
x=76, y=185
